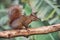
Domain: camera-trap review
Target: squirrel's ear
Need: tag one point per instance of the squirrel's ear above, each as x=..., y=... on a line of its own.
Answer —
x=34, y=13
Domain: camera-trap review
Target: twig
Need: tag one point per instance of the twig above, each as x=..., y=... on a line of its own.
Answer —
x=30, y=31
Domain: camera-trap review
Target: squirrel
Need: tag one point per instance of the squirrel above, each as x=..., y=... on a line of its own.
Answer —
x=17, y=20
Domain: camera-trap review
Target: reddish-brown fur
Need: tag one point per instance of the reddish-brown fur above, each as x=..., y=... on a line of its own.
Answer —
x=19, y=21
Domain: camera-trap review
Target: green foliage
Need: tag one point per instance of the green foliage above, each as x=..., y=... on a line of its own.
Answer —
x=47, y=11
x=27, y=9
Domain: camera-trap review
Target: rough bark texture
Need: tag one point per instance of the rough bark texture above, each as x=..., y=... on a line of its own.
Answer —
x=32, y=31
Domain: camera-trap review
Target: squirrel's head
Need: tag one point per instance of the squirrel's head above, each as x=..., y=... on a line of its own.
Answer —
x=33, y=17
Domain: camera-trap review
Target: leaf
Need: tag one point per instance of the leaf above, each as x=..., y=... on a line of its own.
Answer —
x=54, y=36
x=50, y=15
x=4, y=20
x=21, y=38
x=51, y=4
x=1, y=6
x=3, y=23
x=45, y=13
x=52, y=21
x=33, y=3
x=36, y=24
x=28, y=10
x=24, y=1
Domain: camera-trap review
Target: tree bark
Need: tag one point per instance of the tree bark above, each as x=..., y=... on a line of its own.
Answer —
x=30, y=31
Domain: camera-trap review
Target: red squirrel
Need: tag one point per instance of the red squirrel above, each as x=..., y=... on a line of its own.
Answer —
x=17, y=20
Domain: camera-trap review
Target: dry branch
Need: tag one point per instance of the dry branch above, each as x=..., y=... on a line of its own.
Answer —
x=30, y=31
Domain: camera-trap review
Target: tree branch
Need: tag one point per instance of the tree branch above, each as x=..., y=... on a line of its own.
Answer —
x=30, y=31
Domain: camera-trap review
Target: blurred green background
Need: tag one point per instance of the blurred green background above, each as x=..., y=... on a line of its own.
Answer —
x=48, y=11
